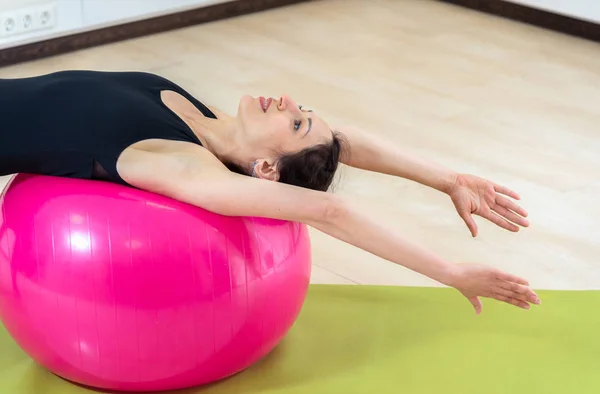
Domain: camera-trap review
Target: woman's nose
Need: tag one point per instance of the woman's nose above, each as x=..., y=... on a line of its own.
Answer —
x=286, y=102
x=282, y=105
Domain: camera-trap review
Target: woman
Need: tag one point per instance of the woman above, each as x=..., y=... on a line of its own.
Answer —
x=274, y=159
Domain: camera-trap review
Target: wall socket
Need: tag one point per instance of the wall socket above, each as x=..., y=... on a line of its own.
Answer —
x=26, y=20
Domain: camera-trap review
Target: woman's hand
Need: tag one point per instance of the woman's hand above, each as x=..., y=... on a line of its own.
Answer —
x=474, y=281
x=473, y=195
x=470, y=194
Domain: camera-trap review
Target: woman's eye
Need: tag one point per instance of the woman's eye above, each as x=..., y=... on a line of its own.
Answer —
x=300, y=108
x=297, y=124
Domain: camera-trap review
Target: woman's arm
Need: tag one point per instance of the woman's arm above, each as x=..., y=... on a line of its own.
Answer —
x=208, y=184
x=371, y=153
x=470, y=194
x=200, y=179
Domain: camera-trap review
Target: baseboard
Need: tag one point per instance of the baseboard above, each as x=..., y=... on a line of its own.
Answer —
x=88, y=39
x=534, y=16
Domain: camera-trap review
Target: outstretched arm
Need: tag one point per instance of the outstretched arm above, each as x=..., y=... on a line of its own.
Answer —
x=470, y=194
x=208, y=184
x=371, y=153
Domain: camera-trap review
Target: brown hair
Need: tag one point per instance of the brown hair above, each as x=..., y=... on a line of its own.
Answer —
x=312, y=168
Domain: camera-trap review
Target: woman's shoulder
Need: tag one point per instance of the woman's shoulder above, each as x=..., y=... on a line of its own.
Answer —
x=157, y=158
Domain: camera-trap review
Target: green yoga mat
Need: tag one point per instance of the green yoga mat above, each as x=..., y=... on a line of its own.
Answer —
x=374, y=340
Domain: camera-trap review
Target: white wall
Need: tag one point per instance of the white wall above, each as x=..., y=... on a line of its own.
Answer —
x=103, y=12
x=73, y=16
x=588, y=10
x=9, y=4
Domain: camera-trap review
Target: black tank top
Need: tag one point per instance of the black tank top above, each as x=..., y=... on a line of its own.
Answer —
x=77, y=123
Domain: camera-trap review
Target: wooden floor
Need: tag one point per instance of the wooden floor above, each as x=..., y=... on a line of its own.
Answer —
x=513, y=103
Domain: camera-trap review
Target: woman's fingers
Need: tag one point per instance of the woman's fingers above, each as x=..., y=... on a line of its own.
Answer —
x=484, y=281
x=510, y=215
x=509, y=294
x=519, y=291
x=511, y=205
x=514, y=290
x=508, y=210
x=512, y=301
x=476, y=302
x=506, y=191
x=506, y=277
x=468, y=219
x=500, y=221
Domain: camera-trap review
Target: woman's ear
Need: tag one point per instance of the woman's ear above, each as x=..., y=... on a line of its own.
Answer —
x=265, y=169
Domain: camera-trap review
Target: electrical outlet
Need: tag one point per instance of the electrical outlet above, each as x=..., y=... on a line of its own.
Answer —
x=26, y=20
x=8, y=25
x=45, y=16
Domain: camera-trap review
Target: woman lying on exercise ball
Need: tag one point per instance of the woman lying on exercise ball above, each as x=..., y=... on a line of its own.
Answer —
x=274, y=159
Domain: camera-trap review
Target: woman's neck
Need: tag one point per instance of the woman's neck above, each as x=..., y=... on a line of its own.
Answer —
x=220, y=136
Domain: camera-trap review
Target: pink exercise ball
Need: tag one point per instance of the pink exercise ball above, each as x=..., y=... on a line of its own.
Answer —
x=120, y=289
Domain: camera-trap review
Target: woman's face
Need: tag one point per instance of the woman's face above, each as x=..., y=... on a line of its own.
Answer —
x=274, y=126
